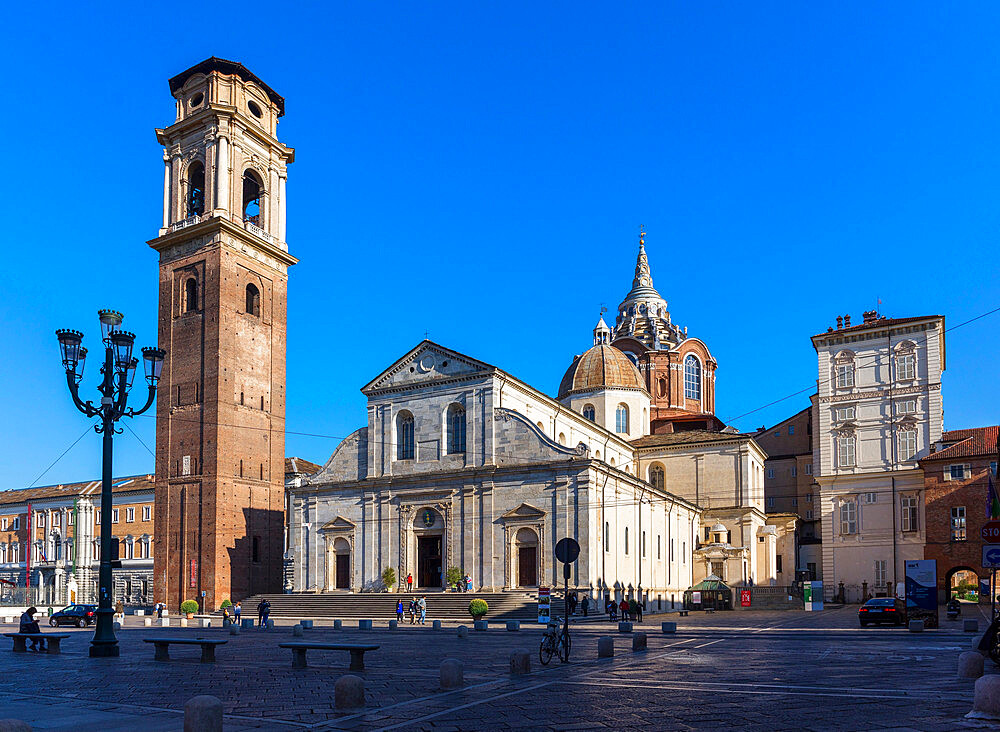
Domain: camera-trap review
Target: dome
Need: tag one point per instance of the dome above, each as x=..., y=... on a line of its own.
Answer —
x=602, y=367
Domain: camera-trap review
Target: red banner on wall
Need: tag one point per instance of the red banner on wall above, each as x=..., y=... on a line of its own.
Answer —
x=194, y=572
x=745, y=598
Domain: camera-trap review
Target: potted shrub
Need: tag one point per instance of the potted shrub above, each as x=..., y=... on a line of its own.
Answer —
x=478, y=608
x=225, y=604
x=388, y=578
x=189, y=608
x=454, y=577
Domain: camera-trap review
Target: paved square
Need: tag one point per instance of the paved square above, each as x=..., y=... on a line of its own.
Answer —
x=740, y=670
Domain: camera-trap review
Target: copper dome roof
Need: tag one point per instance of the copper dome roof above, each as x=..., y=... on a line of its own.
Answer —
x=602, y=367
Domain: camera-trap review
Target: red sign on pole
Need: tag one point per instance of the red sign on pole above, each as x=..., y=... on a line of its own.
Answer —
x=745, y=598
x=991, y=532
x=194, y=572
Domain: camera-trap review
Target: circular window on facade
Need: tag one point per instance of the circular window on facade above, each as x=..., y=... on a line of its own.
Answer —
x=254, y=109
x=197, y=99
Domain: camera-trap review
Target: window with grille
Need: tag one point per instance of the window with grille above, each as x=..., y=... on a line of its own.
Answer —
x=657, y=477
x=958, y=523
x=845, y=375
x=845, y=451
x=907, y=444
x=849, y=518
x=719, y=570
x=692, y=378
x=906, y=366
x=909, y=514
x=845, y=414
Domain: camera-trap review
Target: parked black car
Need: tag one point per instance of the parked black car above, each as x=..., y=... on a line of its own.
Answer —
x=78, y=615
x=883, y=610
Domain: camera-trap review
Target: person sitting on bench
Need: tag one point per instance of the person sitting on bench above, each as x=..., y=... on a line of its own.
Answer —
x=28, y=625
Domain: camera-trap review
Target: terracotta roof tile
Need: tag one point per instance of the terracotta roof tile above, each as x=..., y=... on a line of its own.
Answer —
x=601, y=367
x=880, y=323
x=688, y=437
x=975, y=442
x=124, y=484
x=298, y=465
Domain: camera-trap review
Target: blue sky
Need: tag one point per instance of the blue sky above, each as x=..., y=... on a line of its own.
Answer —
x=479, y=172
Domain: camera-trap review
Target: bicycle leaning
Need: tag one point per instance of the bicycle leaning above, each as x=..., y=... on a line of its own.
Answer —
x=555, y=640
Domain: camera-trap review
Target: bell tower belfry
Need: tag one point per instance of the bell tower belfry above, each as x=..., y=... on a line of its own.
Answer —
x=222, y=320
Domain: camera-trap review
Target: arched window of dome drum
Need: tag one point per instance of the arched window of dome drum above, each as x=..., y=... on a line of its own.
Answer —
x=456, y=429
x=404, y=436
x=589, y=413
x=196, y=190
x=253, y=300
x=252, y=190
x=621, y=419
x=190, y=295
x=657, y=477
x=692, y=377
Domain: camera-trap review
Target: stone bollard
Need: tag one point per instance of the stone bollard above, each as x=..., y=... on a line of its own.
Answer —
x=206, y=622
x=452, y=673
x=513, y=625
x=148, y=622
x=393, y=624
x=364, y=624
x=520, y=662
x=436, y=625
x=184, y=622
x=463, y=631
x=970, y=626
x=916, y=626
x=234, y=629
x=203, y=714
x=481, y=625
x=970, y=665
x=349, y=692
x=246, y=623
x=14, y=725
x=668, y=626
x=986, y=702
x=639, y=642
x=164, y=622
x=338, y=624
x=624, y=627
x=605, y=646
x=306, y=624
x=297, y=631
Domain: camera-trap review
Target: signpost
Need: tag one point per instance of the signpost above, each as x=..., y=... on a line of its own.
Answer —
x=991, y=532
x=745, y=598
x=544, y=604
x=921, y=590
x=567, y=550
x=991, y=556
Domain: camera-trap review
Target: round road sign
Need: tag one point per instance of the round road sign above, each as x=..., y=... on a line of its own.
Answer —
x=567, y=550
x=990, y=532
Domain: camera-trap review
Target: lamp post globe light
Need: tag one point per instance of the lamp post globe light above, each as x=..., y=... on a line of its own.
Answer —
x=117, y=373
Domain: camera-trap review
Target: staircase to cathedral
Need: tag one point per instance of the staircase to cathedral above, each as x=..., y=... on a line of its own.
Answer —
x=449, y=606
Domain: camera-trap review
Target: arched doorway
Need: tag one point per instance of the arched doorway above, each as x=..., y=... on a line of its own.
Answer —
x=963, y=583
x=526, y=543
x=428, y=526
x=342, y=568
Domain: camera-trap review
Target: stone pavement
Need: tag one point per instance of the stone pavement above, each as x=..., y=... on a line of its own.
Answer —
x=739, y=670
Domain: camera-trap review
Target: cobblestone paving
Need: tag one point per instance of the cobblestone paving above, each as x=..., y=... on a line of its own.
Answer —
x=737, y=670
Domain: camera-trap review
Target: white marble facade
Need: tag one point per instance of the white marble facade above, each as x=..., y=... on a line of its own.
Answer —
x=463, y=465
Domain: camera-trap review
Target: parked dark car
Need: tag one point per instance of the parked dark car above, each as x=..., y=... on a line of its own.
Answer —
x=883, y=610
x=78, y=615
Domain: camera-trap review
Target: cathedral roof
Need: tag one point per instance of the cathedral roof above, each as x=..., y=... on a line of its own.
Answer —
x=643, y=315
x=602, y=367
x=227, y=67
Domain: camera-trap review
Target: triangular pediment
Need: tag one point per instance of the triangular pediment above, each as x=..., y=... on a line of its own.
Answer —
x=427, y=362
x=339, y=524
x=524, y=511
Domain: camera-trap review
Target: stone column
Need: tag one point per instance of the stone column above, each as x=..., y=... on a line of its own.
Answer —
x=222, y=201
x=272, y=224
x=166, y=190
x=177, y=194
x=282, y=178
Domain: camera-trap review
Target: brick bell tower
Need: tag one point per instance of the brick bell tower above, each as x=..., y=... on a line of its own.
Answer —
x=222, y=320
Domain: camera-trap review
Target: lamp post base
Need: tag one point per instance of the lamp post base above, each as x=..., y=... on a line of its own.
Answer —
x=104, y=650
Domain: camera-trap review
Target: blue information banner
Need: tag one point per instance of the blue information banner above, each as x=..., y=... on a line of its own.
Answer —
x=921, y=591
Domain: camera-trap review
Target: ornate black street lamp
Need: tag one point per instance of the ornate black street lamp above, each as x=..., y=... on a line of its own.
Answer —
x=117, y=372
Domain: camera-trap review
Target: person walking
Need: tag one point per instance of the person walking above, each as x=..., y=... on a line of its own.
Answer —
x=409, y=582
x=585, y=604
x=29, y=625
x=413, y=610
x=422, y=604
x=120, y=611
x=399, y=610
x=236, y=612
x=468, y=583
x=612, y=610
x=638, y=610
x=263, y=610
x=623, y=606
x=159, y=610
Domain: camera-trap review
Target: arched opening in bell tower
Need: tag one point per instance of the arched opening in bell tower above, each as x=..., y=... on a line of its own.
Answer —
x=196, y=190
x=253, y=188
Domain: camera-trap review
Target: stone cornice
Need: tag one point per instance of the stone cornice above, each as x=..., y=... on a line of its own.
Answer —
x=218, y=225
x=880, y=393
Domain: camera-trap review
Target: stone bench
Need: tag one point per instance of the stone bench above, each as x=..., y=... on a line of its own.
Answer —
x=52, y=641
x=357, y=650
x=162, y=646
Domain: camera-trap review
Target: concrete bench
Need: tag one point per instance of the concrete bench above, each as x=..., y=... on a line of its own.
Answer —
x=162, y=646
x=52, y=641
x=357, y=650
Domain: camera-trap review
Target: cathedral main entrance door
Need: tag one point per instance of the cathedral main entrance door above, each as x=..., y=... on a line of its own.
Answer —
x=527, y=562
x=429, y=561
x=343, y=572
